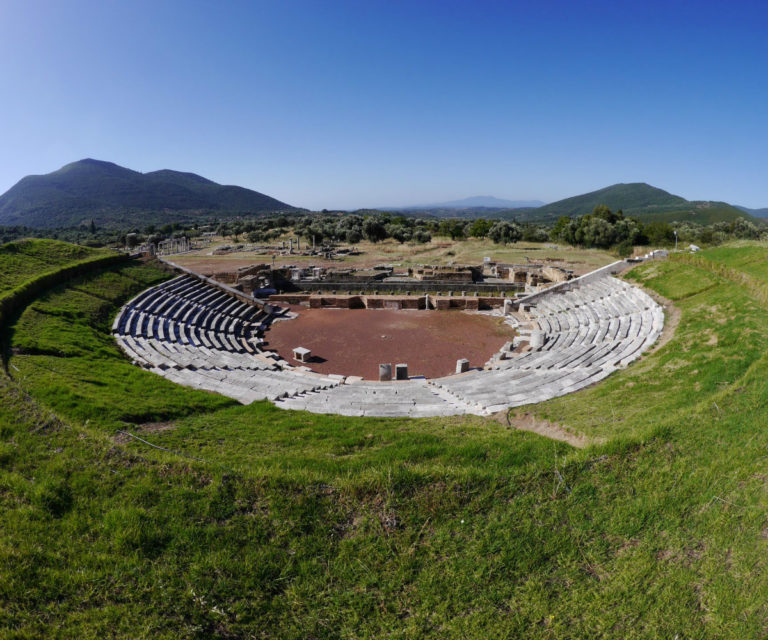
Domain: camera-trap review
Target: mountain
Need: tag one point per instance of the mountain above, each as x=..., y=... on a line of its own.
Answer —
x=635, y=196
x=112, y=195
x=758, y=213
x=474, y=202
x=635, y=199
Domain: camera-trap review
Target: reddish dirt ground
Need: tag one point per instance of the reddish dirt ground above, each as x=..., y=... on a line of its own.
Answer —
x=354, y=342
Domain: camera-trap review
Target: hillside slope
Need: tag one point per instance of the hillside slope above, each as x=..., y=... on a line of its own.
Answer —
x=110, y=195
x=636, y=199
x=304, y=525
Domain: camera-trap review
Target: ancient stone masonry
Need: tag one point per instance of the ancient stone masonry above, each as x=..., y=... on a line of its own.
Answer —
x=569, y=337
x=173, y=245
x=460, y=274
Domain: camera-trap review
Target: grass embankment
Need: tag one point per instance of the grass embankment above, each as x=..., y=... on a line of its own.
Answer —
x=30, y=267
x=297, y=525
x=24, y=260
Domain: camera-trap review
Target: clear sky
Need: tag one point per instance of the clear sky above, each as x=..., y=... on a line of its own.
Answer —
x=375, y=103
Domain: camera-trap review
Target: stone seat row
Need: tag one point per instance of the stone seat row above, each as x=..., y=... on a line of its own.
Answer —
x=193, y=314
x=601, y=331
x=584, y=342
x=240, y=339
x=396, y=399
x=589, y=331
x=620, y=300
x=157, y=353
x=221, y=356
x=490, y=391
x=604, y=330
x=182, y=297
x=248, y=377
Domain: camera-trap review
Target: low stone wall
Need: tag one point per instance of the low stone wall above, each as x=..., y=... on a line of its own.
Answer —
x=441, y=303
x=407, y=287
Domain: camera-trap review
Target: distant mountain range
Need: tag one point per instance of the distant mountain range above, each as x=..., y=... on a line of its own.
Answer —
x=474, y=202
x=758, y=213
x=636, y=199
x=113, y=196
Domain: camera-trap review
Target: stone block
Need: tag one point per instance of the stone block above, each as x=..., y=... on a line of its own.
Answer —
x=401, y=372
x=462, y=365
x=385, y=372
x=537, y=339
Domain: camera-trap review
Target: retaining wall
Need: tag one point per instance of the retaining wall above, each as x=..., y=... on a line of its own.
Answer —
x=408, y=287
x=441, y=303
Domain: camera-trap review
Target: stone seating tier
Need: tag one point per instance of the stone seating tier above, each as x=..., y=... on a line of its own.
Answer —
x=195, y=334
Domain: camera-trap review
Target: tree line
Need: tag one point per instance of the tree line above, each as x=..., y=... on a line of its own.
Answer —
x=602, y=229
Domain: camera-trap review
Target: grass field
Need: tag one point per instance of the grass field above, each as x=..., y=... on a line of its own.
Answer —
x=439, y=251
x=262, y=523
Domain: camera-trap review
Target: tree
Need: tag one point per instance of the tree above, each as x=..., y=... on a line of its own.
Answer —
x=659, y=233
x=503, y=232
x=374, y=230
x=480, y=228
x=743, y=228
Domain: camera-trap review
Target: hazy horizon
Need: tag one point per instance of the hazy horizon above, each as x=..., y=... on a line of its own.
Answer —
x=350, y=105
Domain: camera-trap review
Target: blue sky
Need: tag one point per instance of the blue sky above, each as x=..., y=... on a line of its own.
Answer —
x=367, y=103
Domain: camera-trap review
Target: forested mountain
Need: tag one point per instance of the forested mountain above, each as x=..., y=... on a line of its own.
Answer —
x=112, y=195
x=758, y=213
x=635, y=199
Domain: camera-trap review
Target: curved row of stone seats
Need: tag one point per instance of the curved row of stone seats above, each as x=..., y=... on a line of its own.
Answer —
x=248, y=386
x=413, y=399
x=195, y=334
x=240, y=376
x=589, y=332
x=489, y=391
x=187, y=310
x=191, y=335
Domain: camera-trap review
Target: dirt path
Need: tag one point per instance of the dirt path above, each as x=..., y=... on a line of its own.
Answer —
x=529, y=422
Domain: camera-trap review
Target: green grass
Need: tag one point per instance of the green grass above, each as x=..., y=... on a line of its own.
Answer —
x=268, y=523
x=68, y=359
x=24, y=259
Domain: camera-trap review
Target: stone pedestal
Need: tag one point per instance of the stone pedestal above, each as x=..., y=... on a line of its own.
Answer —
x=462, y=365
x=507, y=307
x=537, y=339
x=401, y=372
x=385, y=372
x=302, y=354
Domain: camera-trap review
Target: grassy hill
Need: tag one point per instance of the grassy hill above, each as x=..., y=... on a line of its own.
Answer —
x=113, y=195
x=638, y=200
x=258, y=522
